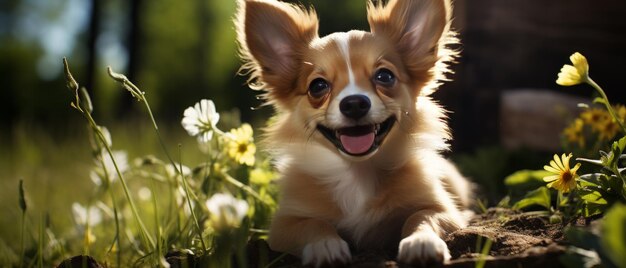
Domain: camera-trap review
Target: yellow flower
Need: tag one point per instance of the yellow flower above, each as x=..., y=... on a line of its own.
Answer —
x=241, y=146
x=621, y=111
x=601, y=121
x=260, y=176
x=574, y=133
x=89, y=238
x=564, y=179
x=574, y=75
x=596, y=118
x=608, y=130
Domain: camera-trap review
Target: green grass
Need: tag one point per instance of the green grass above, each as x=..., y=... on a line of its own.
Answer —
x=55, y=165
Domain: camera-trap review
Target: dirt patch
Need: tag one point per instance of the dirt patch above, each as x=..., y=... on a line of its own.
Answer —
x=510, y=232
x=519, y=239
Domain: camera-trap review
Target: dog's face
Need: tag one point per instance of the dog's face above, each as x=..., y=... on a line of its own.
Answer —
x=350, y=91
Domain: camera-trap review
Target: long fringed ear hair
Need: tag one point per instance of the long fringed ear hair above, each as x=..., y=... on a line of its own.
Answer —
x=272, y=36
x=420, y=29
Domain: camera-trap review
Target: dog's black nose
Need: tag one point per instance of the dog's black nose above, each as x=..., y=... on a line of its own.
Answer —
x=355, y=106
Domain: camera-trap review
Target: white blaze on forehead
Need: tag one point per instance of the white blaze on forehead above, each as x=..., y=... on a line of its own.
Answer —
x=343, y=41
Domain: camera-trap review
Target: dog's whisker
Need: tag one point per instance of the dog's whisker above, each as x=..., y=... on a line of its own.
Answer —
x=309, y=130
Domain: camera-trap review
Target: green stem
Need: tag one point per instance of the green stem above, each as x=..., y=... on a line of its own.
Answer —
x=22, y=239
x=245, y=188
x=107, y=177
x=86, y=235
x=156, y=129
x=559, y=196
x=142, y=227
x=619, y=175
x=613, y=114
x=484, y=253
x=193, y=214
x=173, y=207
x=279, y=258
x=606, y=103
x=157, y=226
x=40, y=244
x=86, y=112
x=134, y=90
x=117, y=234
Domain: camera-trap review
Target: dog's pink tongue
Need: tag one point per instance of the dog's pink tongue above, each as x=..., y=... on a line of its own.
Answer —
x=357, y=144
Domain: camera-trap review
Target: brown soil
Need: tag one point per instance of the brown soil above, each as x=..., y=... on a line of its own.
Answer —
x=519, y=239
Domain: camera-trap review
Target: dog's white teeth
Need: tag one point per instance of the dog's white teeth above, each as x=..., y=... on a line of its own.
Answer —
x=376, y=128
x=337, y=134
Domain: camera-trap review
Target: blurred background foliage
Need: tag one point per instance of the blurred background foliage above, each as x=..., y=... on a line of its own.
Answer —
x=179, y=52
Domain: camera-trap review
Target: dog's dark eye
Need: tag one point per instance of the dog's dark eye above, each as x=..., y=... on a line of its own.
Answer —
x=318, y=88
x=384, y=77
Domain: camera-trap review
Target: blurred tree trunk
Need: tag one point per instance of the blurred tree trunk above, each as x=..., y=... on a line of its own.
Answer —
x=126, y=101
x=92, y=54
x=203, y=45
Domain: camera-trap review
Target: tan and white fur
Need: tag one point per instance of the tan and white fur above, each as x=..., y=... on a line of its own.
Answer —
x=357, y=138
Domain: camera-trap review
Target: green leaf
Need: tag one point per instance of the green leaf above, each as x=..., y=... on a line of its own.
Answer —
x=622, y=143
x=587, y=239
x=22, y=199
x=616, y=151
x=582, y=238
x=592, y=197
x=597, y=162
x=524, y=177
x=85, y=100
x=576, y=257
x=593, y=179
x=614, y=234
x=524, y=181
x=539, y=197
x=69, y=79
x=592, y=209
x=600, y=101
x=594, y=202
x=615, y=184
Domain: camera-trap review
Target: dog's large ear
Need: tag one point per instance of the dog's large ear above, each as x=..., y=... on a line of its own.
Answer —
x=272, y=36
x=417, y=28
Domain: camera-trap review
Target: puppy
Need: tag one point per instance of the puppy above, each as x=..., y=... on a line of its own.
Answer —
x=357, y=139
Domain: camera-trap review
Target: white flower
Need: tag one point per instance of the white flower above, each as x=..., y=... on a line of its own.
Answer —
x=95, y=141
x=144, y=193
x=201, y=120
x=226, y=211
x=82, y=215
x=182, y=201
x=173, y=171
x=95, y=178
x=121, y=158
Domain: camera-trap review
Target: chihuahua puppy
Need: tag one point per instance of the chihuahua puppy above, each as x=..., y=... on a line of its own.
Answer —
x=357, y=139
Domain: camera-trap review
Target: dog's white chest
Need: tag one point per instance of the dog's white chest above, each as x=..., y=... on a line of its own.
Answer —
x=353, y=194
x=353, y=191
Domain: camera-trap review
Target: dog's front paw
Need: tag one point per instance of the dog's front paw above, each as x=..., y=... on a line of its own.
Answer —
x=423, y=248
x=326, y=252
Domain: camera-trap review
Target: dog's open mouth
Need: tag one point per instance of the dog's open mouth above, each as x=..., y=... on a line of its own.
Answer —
x=358, y=140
